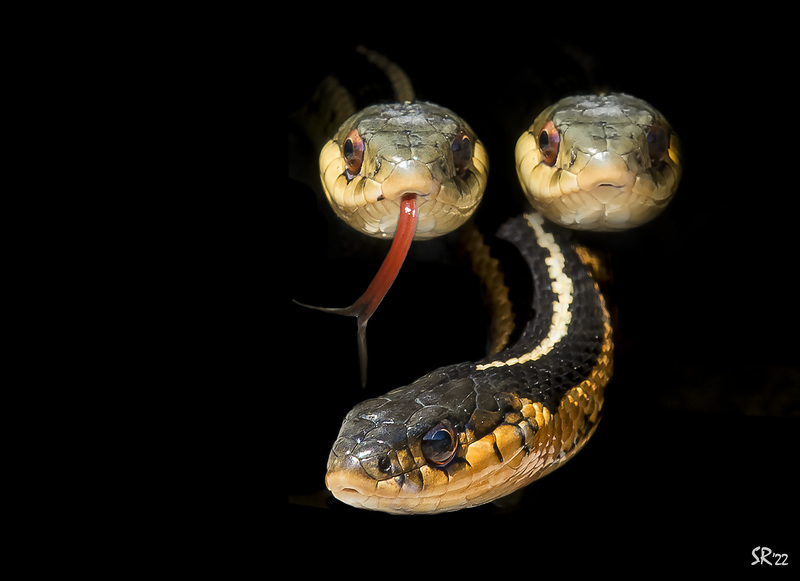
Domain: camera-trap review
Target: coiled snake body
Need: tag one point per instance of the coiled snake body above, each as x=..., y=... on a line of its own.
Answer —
x=473, y=432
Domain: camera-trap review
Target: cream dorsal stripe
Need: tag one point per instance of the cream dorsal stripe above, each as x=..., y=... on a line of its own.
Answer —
x=562, y=287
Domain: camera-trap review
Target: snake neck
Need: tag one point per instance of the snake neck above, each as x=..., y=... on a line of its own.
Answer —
x=567, y=313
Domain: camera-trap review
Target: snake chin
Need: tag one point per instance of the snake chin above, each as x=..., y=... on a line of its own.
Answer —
x=606, y=208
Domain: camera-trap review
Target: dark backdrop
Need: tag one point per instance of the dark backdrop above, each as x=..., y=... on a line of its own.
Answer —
x=692, y=458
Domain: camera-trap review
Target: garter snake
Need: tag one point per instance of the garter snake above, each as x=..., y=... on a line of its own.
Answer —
x=470, y=433
x=400, y=163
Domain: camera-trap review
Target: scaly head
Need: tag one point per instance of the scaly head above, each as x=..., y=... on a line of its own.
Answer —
x=599, y=162
x=387, y=151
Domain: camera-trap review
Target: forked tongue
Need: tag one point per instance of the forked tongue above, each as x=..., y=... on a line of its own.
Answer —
x=367, y=303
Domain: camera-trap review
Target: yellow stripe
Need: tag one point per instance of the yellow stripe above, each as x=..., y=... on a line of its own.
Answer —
x=563, y=289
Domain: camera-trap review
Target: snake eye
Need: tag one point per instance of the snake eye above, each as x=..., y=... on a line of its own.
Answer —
x=385, y=464
x=549, y=140
x=353, y=152
x=657, y=144
x=462, y=153
x=440, y=443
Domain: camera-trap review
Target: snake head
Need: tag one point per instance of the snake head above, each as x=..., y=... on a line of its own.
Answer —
x=387, y=151
x=442, y=444
x=393, y=454
x=599, y=162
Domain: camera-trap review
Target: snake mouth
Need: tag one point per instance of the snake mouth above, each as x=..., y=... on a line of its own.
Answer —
x=430, y=212
x=382, y=197
x=398, y=494
x=341, y=484
x=348, y=495
x=618, y=180
x=397, y=196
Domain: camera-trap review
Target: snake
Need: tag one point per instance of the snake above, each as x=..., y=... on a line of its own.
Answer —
x=405, y=169
x=474, y=432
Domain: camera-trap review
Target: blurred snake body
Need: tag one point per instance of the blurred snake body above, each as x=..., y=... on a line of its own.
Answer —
x=471, y=433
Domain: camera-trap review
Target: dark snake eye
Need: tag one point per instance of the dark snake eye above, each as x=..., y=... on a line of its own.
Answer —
x=657, y=144
x=353, y=152
x=549, y=140
x=462, y=153
x=385, y=464
x=440, y=443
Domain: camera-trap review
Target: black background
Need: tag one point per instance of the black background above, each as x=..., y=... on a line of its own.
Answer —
x=693, y=462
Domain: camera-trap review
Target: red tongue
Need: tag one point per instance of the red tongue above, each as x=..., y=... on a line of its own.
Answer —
x=367, y=303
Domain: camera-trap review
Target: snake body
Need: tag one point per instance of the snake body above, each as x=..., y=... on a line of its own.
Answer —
x=470, y=433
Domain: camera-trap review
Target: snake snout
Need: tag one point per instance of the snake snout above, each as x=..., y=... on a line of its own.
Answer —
x=606, y=170
x=409, y=177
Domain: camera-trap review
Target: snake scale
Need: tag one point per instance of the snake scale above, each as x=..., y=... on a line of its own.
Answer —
x=470, y=433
